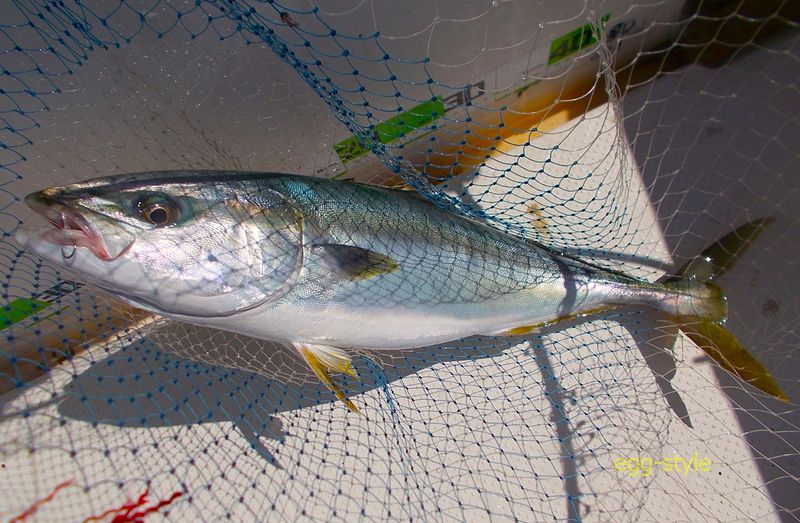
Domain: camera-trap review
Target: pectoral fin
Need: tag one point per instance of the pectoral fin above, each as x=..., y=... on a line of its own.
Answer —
x=354, y=263
x=323, y=359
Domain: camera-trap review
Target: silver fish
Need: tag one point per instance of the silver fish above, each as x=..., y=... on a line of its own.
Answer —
x=327, y=265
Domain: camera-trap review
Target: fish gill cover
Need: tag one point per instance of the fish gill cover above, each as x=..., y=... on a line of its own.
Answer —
x=631, y=137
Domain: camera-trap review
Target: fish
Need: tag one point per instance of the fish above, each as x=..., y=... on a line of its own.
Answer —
x=324, y=266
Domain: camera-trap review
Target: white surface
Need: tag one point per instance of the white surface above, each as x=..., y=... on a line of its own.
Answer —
x=502, y=428
x=465, y=437
x=499, y=425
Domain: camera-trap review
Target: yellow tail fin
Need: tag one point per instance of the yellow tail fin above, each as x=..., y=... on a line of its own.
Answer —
x=703, y=321
x=723, y=347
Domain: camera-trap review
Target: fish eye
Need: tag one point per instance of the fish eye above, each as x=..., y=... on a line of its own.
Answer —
x=159, y=213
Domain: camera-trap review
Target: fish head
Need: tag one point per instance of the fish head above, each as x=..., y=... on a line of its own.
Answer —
x=181, y=248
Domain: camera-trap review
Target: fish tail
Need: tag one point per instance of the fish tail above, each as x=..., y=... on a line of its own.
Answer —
x=699, y=307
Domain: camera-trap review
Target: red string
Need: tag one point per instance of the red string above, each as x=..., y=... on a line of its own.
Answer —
x=126, y=514
x=37, y=504
x=138, y=517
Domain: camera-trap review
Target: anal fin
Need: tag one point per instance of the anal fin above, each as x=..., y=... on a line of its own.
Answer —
x=521, y=330
x=323, y=359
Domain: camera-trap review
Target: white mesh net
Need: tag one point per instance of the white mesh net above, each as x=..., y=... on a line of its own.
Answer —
x=629, y=135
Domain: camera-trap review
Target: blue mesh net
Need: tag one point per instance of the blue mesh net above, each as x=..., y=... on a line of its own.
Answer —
x=629, y=136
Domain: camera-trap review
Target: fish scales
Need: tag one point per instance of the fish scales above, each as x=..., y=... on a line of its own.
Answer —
x=325, y=266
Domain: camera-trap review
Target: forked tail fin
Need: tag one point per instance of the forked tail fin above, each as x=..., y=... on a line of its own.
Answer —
x=703, y=321
x=722, y=255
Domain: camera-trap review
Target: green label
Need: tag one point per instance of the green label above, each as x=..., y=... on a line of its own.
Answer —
x=574, y=41
x=391, y=129
x=20, y=309
x=349, y=149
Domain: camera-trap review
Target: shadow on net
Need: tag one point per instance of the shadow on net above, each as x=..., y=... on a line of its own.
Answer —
x=182, y=375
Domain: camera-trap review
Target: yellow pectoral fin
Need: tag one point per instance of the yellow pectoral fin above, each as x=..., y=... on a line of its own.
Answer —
x=323, y=359
x=354, y=263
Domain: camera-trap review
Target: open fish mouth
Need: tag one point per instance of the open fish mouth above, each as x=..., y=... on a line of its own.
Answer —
x=73, y=229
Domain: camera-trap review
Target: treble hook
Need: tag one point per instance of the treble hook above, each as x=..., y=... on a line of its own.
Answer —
x=64, y=254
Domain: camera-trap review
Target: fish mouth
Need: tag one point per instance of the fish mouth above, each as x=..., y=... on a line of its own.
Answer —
x=72, y=229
